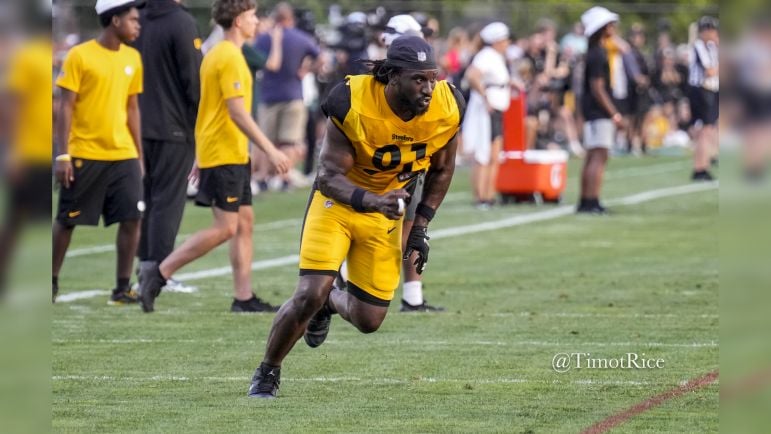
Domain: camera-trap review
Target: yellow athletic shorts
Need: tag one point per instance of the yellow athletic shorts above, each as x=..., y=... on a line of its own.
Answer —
x=370, y=241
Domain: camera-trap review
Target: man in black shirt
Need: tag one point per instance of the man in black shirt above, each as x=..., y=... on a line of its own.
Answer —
x=602, y=117
x=171, y=55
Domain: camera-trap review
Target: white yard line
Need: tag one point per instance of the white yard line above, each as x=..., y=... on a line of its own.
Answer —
x=418, y=343
x=380, y=381
x=508, y=222
x=79, y=295
x=221, y=271
x=260, y=227
x=601, y=315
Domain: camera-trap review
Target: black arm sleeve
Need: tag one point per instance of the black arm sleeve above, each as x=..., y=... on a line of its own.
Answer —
x=338, y=102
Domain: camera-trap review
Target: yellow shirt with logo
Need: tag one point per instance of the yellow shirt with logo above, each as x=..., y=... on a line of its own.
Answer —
x=31, y=82
x=224, y=75
x=390, y=151
x=103, y=79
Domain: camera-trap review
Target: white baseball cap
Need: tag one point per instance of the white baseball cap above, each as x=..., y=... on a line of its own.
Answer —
x=596, y=18
x=494, y=32
x=403, y=23
x=400, y=25
x=103, y=6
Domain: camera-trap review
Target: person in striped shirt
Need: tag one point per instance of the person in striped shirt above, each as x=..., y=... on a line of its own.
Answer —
x=703, y=84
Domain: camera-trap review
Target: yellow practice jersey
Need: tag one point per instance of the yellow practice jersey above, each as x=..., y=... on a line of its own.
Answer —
x=224, y=75
x=390, y=151
x=103, y=79
x=30, y=82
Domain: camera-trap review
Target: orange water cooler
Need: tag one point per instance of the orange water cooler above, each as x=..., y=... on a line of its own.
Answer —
x=528, y=175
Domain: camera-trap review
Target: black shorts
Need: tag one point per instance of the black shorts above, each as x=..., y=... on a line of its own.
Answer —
x=757, y=106
x=704, y=106
x=112, y=189
x=624, y=106
x=30, y=197
x=226, y=187
x=496, y=124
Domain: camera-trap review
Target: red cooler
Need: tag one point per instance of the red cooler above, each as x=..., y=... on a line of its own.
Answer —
x=532, y=175
x=528, y=175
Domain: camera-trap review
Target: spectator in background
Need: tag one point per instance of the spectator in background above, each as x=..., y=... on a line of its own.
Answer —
x=99, y=141
x=670, y=84
x=456, y=56
x=617, y=50
x=351, y=51
x=170, y=49
x=704, y=83
x=282, y=113
x=638, y=88
x=575, y=40
x=601, y=115
x=752, y=68
x=490, y=82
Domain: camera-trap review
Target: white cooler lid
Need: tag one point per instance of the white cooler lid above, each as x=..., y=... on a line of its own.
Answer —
x=533, y=156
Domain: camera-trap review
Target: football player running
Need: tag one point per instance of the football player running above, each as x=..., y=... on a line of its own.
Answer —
x=383, y=130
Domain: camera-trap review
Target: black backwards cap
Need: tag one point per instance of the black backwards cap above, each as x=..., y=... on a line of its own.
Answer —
x=706, y=23
x=411, y=52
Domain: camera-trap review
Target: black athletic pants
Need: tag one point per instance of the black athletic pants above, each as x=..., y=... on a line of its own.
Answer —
x=167, y=165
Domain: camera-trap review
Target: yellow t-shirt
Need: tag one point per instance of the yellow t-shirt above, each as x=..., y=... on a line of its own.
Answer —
x=224, y=75
x=390, y=151
x=30, y=81
x=103, y=80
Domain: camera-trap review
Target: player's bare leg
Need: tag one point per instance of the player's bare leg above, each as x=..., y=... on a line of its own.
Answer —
x=492, y=174
x=241, y=254
x=224, y=228
x=366, y=317
x=62, y=235
x=293, y=317
x=126, y=243
x=154, y=276
x=412, y=288
x=703, y=152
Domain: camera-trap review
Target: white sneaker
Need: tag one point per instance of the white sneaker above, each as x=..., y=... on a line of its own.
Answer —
x=177, y=286
x=298, y=180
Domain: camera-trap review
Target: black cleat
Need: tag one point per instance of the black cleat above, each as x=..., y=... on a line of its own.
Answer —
x=150, y=283
x=123, y=296
x=318, y=327
x=702, y=175
x=254, y=304
x=265, y=382
x=595, y=209
x=423, y=307
x=54, y=292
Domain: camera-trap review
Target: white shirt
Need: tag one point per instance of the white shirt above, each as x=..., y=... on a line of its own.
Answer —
x=495, y=77
x=704, y=55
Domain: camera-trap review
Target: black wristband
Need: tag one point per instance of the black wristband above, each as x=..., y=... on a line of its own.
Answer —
x=357, y=199
x=425, y=211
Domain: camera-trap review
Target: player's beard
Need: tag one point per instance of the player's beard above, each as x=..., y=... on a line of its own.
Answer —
x=412, y=104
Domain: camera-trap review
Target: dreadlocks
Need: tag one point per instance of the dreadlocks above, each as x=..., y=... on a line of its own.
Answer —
x=382, y=70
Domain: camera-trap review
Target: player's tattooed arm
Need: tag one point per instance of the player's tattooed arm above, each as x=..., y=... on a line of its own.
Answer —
x=336, y=159
x=438, y=179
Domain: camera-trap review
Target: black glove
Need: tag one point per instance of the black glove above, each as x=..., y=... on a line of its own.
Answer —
x=418, y=242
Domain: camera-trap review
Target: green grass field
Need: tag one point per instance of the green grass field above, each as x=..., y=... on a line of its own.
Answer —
x=644, y=280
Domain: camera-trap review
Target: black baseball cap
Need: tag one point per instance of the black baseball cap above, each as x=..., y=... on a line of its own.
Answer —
x=411, y=52
x=706, y=23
